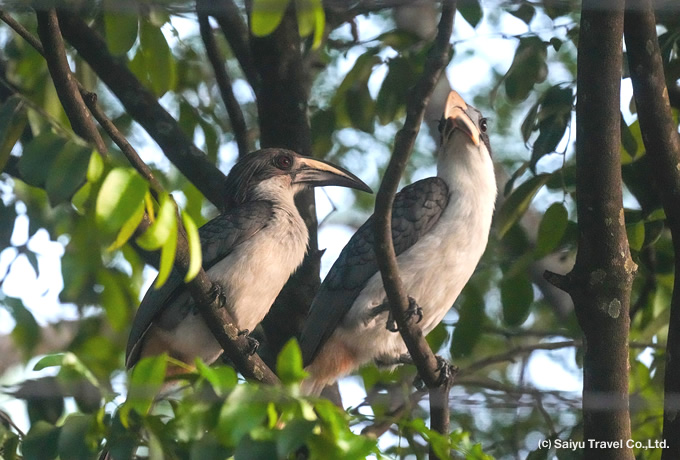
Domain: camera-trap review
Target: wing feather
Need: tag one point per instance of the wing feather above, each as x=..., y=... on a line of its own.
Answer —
x=219, y=237
x=417, y=207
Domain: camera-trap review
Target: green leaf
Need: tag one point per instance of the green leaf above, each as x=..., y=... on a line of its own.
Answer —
x=517, y=294
x=525, y=12
x=164, y=226
x=68, y=172
x=38, y=156
x=438, y=336
x=121, y=30
x=636, y=234
x=8, y=215
x=468, y=329
x=13, y=119
x=145, y=381
x=194, y=242
x=242, y=411
x=551, y=229
x=266, y=16
x=222, y=378
x=118, y=199
x=157, y=60
x=293, y=436
x=393, y=94
x=527, y=69
x=471, y=11
x=40, y=443
x=310, y=18
x=518, y=202
x=628, y=141
x=167, y=256
x=74, y=440
x=26, y=333
x=114, y=300
x=95, y=167
x=289, y=363
x=128, y=228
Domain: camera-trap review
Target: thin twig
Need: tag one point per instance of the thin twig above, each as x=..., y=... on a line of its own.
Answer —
x=235, y=31
x=238, y=123
x=422, y=355
x=143, y=106
x=64, y=83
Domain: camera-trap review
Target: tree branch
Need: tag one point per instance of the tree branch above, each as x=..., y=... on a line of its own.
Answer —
x=414, y=339
x=218, y=319
x=67, y=89
x=145, y=109
x=601, y=280
x=238, y=123
x=235, y=31
x=660, y=136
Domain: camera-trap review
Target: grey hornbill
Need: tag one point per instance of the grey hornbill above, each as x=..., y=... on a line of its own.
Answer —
x=440, y=227
x=249, y=252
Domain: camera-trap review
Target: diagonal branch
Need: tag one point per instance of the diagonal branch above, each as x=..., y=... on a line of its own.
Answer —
x=67, y=89
x=235, y=31
x=660, y=136
x=142, y=105
x=218, y=319
x=422, y=355
x=238, y=124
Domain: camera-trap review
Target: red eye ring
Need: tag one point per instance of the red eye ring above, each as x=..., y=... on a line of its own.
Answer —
x=283, y=162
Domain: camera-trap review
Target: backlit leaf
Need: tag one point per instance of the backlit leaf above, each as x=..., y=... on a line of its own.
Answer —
x=194, y=241
x=517, y=294
x=551, y=229
x=68, y=172
x=119, y=197
x=518, y=202
x=289, y=363
x=267, y=15
x=121, y=31
x=164, y=225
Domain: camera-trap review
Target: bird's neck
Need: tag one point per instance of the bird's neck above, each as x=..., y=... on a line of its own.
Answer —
x=467, y=168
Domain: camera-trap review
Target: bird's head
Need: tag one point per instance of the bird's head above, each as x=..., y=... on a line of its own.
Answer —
x=268, y=173
x=462, y=128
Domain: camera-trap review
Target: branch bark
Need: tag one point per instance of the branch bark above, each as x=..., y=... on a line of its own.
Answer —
x=145, y=109
x=218, y=319
x=600, y=282
x=235, y=31
x=423, y=357
x=282, y=106
x=238, y=123
x=660, y=136
x=67, y=89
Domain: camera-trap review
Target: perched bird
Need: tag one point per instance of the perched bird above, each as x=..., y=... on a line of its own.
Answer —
x=248, y=252
x=440, y=227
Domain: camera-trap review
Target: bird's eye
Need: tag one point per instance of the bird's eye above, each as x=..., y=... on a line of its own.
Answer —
x=482, y=125
x=283, y=162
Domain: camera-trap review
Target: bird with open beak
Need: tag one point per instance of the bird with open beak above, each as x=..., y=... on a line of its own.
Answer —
x=249, y=252
x=440, y=228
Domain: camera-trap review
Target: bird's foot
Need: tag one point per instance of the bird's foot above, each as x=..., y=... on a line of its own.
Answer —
x=447, y=372
x=253, y=343
x=412, y=310
x=217, y=293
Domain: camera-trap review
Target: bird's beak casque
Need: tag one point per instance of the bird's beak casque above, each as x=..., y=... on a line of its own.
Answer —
x=318, y=173
x=456, y=111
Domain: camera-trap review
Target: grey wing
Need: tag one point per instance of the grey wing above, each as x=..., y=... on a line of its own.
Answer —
x=218, y=238
x=417, y=207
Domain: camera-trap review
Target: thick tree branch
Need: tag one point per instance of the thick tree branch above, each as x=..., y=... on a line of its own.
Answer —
x=600, y=282
x=235, y=31
x=238, y=123
x=422, y=355
x=660, y=136
x=218, y=319
x=90, y=100
x=282, y=106
x=67, y=89
x=145, y=109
